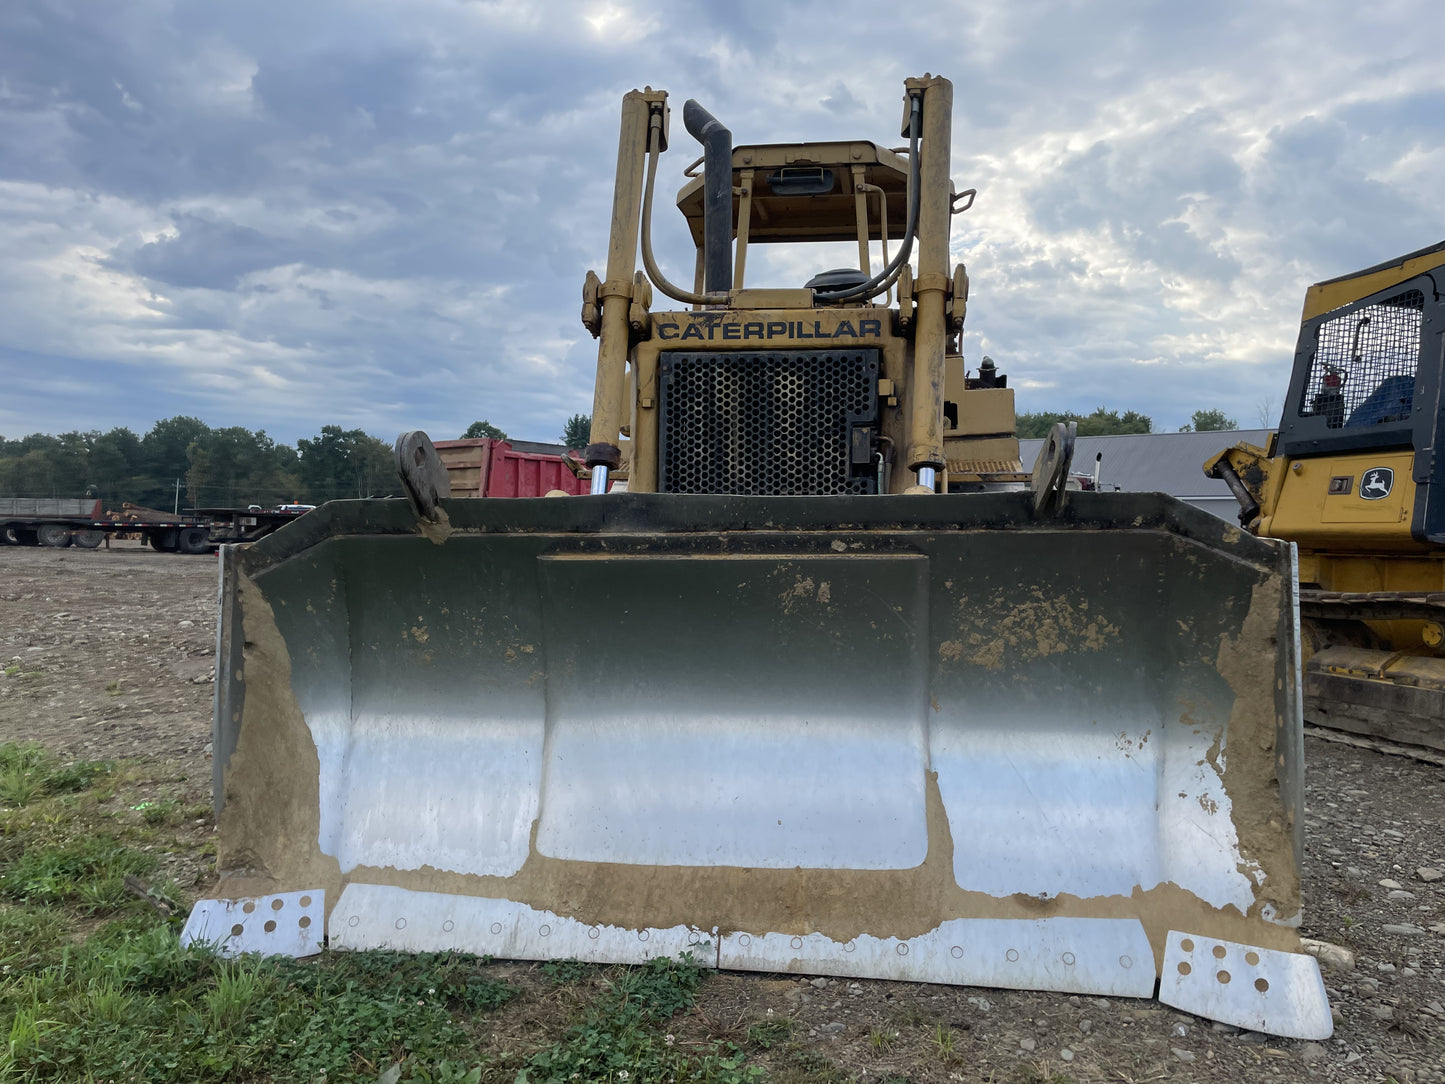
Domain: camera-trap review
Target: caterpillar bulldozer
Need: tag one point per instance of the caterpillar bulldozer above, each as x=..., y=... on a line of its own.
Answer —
x=834, y=687
x=1355, y=477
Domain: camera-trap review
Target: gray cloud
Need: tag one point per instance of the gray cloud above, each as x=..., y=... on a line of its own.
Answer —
x=380, y=214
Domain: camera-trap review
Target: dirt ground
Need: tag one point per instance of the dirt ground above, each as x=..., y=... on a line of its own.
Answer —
x=108, y=654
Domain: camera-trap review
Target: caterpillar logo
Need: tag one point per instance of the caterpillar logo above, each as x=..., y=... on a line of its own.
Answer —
x=711, y=328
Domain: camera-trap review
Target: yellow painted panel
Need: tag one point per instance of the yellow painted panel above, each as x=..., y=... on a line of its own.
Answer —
x=1326, y=296
x=1361, y=504
x=1307, y=513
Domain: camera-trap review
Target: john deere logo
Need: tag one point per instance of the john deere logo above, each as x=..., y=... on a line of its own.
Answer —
x=1377, y=483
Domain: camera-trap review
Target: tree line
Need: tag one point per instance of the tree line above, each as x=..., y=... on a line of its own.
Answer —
x=1105, y=423
x=183, y=461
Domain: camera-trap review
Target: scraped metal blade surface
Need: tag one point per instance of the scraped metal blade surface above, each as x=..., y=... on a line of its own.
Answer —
x=937, y=726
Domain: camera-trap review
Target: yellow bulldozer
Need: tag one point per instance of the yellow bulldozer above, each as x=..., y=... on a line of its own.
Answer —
x=1355, y=476
x=833, y=688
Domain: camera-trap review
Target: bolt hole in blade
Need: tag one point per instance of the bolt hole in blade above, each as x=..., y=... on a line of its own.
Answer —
x=234, y=927
x=1281, y=993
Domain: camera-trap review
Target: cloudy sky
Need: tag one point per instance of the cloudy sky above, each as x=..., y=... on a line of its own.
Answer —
x=378, y=213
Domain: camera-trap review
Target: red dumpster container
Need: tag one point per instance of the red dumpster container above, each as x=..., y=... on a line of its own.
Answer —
x=487, y=467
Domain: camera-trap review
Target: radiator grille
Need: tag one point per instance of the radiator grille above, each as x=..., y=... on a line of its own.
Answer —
x=1363, y=371
x=765, y=423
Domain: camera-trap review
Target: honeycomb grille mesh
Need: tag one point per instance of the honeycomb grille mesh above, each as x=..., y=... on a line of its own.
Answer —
x=1363, y=371
x=765, y=423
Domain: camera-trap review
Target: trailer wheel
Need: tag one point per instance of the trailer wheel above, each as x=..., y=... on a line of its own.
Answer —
x=194, y=540
x=7, y=537
x=87, y=539
x=164, y=541
x=54, y=535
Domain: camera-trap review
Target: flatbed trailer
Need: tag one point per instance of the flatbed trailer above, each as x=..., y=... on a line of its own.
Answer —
x=60, y=522
x=229, y=525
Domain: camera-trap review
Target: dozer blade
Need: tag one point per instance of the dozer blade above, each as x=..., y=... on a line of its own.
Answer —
x=924, y=738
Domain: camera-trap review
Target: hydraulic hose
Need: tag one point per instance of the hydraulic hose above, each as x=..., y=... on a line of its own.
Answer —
x=659, y=280
x=885, y=279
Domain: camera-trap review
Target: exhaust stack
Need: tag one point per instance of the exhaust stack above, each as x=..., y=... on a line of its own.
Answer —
x=717, y=219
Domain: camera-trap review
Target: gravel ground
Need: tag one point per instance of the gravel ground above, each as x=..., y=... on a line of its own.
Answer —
x=108, y=654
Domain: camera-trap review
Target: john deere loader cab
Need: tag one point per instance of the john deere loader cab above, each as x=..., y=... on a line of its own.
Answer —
x=1355, y=477
x=787, y=703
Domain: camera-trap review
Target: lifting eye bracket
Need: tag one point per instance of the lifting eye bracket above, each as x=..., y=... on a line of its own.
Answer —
x=1051, y=470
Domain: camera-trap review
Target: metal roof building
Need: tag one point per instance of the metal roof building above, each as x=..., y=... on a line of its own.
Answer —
x=1159, y=463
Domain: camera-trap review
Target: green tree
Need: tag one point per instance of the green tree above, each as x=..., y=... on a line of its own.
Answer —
x=578, y=431
x=115, y=459
x=481, y=429
x=235, y=466
x=1208, y=421
x=36, y=474
x=164, y=458
x=1101, y=423
x=347, y=463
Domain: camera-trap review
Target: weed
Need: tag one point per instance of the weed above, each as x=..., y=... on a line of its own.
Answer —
x=27, y=772
x=1350, y=891
x=76, y=777
x=239, y=985
x=161, y=811
x=943, y=1042
x=1347, y=921
x=765, y=1033
x=617, y=1040
x=1406, y=1019
x=18, y=788
x=443, y=1072
x=566, y=972
x=89, y=870
x=814, y=1067
x=26, y=754
x=26, y=935
x=27, y=1032
x=113, y=688
x=660, y=987
x=910, y=1014
x=881, y=1040
x=106, y=1001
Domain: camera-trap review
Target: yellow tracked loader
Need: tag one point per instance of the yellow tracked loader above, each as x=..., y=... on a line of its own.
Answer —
x=1355, y=476
x=833, y=688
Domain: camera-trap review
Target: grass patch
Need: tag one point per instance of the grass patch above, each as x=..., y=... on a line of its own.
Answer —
x=28, y=772
x=161, y=811
x=146, y=1009
x=881, y=1040
x=94, y=985
x=566, y=972
x=809, y=1067
x=766, y=1034
x=619, y=1038
x=88, y=873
